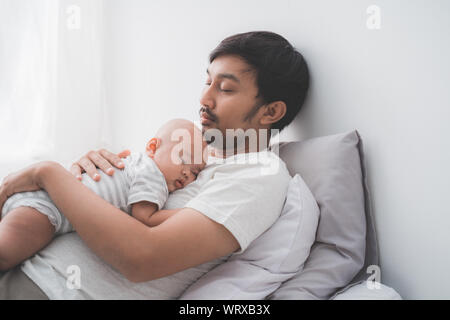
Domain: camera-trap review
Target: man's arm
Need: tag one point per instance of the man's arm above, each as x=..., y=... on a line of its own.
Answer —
x=187, y=239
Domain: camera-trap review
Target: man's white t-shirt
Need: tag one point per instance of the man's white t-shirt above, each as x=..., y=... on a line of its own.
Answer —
x=245, y=193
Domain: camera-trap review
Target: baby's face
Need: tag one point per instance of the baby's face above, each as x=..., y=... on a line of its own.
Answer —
x=179, y=167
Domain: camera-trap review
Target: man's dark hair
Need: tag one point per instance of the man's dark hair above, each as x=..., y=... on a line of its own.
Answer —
x=281, y=71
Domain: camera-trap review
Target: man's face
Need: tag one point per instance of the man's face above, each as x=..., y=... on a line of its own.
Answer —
x=229, y=95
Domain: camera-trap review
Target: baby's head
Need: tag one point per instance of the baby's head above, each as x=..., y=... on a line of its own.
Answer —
x=177, y=150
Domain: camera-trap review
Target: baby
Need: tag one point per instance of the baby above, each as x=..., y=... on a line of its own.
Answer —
x=140, y=189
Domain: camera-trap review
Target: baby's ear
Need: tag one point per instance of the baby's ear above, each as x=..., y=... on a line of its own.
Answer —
x=152, y=145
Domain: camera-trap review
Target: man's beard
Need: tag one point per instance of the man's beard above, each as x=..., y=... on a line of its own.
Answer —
x=210, y=138
x=230, y=140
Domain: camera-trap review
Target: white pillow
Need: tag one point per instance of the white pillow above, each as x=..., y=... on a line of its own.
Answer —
x=368, y=291
x=276, y=256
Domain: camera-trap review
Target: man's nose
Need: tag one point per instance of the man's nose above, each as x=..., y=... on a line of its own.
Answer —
x=207, y=98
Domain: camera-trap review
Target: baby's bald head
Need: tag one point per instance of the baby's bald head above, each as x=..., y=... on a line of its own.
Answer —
x=178, y=149
x=171, y=130
x=181, y=135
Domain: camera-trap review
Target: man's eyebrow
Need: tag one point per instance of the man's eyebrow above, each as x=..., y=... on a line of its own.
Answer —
x=226, y=76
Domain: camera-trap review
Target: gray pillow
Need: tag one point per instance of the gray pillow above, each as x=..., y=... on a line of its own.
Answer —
x=333, y=168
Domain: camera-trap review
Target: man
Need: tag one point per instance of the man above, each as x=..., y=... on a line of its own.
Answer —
x=256, y=81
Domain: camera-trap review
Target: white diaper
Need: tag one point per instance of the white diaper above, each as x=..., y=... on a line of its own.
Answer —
x=39, y=200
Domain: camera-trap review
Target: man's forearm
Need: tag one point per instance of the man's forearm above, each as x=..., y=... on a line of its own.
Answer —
x=112, y=234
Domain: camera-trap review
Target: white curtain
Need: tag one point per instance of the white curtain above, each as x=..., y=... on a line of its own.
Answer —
x=52, y=97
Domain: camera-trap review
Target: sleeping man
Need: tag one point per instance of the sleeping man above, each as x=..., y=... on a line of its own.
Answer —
x=257, y=82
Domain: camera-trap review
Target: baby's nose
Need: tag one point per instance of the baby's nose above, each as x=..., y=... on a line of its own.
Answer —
x=187, y=174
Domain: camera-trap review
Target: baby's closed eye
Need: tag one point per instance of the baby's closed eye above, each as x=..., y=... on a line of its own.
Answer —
x=195, y=172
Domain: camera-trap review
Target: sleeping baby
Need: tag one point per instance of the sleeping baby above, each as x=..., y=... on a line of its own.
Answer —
x=145, y=182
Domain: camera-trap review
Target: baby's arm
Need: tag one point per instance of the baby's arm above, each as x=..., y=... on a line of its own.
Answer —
x=143, y=211
x=147, y=212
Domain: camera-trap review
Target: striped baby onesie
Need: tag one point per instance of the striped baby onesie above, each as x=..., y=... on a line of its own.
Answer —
x=140, y=180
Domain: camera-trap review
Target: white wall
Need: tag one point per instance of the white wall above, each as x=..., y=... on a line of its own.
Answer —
x=391, y=84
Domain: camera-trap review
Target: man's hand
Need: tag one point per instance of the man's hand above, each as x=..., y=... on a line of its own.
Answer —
x=101, y=159
x=27, y=179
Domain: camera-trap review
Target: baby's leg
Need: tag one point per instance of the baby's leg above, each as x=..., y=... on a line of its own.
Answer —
x=23, y=232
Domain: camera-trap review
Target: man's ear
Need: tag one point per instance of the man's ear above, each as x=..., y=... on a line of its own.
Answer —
x=273, y=112
x=152, y=145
